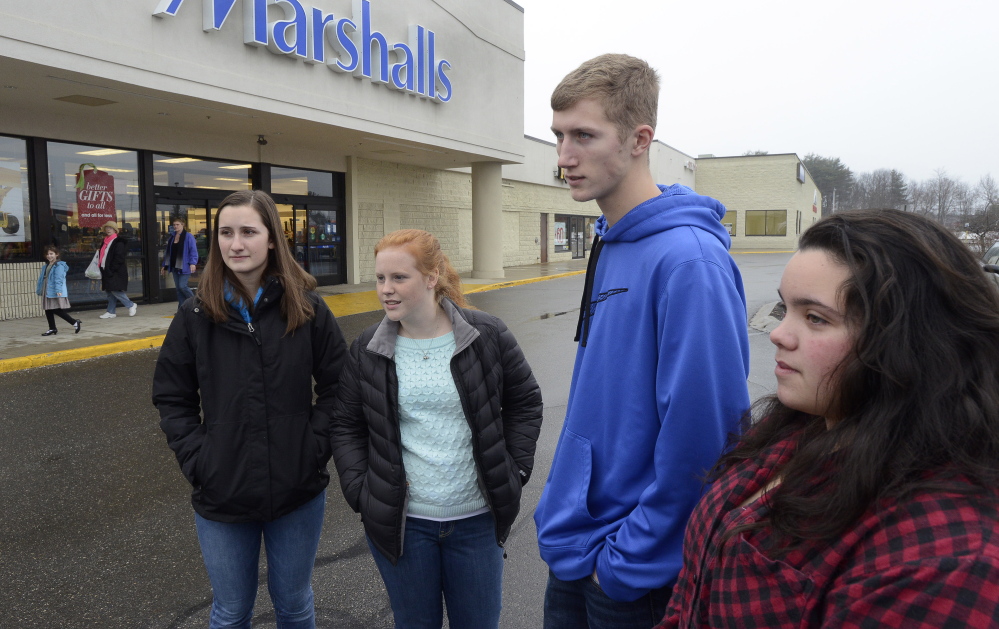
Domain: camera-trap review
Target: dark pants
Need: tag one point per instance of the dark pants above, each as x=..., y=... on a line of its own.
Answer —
x=62, y=315
x=580, y=604
x=457, y=561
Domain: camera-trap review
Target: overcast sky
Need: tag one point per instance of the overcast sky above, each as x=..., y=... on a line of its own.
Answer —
x=910, y=85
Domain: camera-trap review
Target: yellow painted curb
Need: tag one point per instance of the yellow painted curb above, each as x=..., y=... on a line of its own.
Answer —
x=353, y=303
x=531, y=280
x=341, y=305
x=346, y=304
x=80, y=353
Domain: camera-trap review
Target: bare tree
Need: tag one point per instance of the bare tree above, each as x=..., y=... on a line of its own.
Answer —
x=942, y=188
x=984, y=223
x=965, y=203
x=920, y=198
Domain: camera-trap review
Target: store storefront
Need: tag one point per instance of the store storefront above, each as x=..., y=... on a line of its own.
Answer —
x=353, y=115
x=81, y=187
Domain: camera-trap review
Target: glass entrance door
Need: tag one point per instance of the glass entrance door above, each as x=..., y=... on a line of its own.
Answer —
x=577, y=227
x=196, y=214
x=313, y=233
x=324, y=246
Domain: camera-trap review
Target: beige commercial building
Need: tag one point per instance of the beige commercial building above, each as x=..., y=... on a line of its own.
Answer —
x=358, y=116
x=770, y=199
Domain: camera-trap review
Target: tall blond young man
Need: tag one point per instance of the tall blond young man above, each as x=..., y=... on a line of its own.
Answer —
x=660, y=375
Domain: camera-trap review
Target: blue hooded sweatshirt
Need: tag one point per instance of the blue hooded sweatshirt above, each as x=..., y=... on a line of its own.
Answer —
x=659, y=383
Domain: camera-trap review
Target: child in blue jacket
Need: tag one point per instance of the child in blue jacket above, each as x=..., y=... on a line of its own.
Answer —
x=52, y=289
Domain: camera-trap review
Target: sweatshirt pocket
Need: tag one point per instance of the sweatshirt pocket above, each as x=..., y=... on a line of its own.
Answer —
x=563, y=516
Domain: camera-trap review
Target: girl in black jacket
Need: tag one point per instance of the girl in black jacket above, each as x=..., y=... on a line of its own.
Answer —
x=433, y=437
x=233, y=388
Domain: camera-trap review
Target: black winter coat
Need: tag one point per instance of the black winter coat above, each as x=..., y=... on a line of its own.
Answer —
x=235, y=402
x=114, y=273
x=501, y=401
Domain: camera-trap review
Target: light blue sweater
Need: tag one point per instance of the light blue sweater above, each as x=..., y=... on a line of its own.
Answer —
x=436, y=438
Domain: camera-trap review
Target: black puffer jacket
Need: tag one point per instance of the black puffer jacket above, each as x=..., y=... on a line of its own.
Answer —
x=501, y=401
x=114, y=273
x=261, y=449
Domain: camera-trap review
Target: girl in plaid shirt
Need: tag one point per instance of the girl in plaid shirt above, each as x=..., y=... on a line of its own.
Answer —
x=866, y=496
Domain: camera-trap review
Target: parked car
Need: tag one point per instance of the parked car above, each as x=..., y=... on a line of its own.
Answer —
x=992, y=255
x=990, y=262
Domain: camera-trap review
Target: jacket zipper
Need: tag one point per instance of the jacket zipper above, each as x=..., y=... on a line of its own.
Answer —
x=460, y=387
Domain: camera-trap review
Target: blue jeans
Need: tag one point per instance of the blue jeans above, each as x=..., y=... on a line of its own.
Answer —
x=459, y=559
x=115, y=296
x=180, y=281
x=581, y=603
x=232, y=551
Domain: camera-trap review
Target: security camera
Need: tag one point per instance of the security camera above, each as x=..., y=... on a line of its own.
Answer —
x=261, y=140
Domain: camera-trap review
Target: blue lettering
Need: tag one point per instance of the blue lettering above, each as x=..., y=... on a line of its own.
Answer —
x=444, y=80
x=167, y=7
x=369, y=37
x=215, y=12
x=412, y=67
x=317, y=48
x=400, y=81
x=345, y=45
x=431, y=66
x=289, y=37
x=416, y=41
x=254, y=22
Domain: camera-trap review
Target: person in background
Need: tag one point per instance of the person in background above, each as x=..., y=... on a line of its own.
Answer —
x=233, y=386
x=180, y=259
x=52, y=289
x=433, y=437
x=660, y=374
x=114, y=271
x=866, y=494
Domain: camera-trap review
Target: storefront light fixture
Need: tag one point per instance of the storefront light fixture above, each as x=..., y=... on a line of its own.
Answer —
x=236, y=167
x=178, y=160
x=102, y=152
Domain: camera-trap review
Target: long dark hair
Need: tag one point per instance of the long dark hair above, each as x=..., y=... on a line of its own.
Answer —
x=918, y=396
x=295, y=305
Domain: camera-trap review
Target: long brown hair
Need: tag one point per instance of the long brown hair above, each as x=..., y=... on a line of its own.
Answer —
x=918, y=396
x=430, y=259
x=295, y=305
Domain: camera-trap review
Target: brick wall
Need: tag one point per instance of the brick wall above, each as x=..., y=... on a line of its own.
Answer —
x=398, y=196
x=18, y=299
x=529, y=201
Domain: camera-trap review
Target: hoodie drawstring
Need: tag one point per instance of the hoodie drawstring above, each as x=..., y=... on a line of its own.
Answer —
x=584, y=305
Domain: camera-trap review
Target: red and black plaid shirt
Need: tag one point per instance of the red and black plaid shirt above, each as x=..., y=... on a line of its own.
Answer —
x=932, y=561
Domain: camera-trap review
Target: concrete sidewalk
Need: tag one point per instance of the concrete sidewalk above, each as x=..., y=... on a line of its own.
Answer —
x=22, y=346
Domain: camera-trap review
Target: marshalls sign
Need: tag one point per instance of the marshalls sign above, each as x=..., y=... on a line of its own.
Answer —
x=344, y=44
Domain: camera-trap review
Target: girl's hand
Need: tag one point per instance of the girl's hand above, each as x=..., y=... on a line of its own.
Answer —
x=58, y=294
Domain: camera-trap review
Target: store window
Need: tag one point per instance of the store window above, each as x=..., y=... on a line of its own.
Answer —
x=561, y=233
x=89, y=186
x=15, y=226
x=305, y=182
x=573, y=234
x=591, y=232
x=191, y=172
x=729, y=221
x=766, y=223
